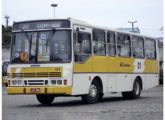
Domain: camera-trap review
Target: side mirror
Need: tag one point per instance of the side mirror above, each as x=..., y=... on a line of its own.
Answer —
x=53, y=28
x=79, y=37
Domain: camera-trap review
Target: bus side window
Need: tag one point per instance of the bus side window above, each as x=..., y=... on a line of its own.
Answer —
x=123, y=45
x=137, y=47
x=150, y=48
x=99, y=45
x=111, y=44
x=82, y=47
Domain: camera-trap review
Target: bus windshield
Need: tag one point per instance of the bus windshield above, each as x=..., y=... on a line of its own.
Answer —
x=38, y=47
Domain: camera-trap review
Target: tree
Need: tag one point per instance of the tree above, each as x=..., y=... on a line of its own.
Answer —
x=6, y=35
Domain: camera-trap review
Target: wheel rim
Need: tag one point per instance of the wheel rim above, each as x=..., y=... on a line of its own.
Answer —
x=92, y=91
x=137, y=88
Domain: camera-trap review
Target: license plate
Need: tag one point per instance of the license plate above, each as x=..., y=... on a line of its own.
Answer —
x=35, y=90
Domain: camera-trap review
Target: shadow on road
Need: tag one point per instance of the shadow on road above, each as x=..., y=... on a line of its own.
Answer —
x=75, y=103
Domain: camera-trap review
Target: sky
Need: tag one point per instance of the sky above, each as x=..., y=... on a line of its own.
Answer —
x=104, y=13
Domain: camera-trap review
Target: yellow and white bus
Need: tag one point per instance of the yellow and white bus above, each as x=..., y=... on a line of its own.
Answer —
x=69, y=57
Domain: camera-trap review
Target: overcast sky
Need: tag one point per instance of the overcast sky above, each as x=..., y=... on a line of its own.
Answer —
x=109, y=13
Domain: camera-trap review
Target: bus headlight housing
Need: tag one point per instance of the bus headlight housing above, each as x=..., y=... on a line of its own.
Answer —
x=17, y=82
x=14, y=82
x=20, y=82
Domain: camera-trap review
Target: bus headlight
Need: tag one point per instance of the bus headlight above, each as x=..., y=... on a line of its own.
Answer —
x=59, y=82
x=20, y=82
x=53, y=82
x=17, y=82
x=14, y=82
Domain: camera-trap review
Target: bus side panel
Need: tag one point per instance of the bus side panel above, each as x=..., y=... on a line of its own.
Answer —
x=151, y=81
x=111, y=85
x=151, y=73
x=126, y=81
x=82, y=81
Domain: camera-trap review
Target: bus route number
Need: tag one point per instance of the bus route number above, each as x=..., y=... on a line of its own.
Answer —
x=58, y=69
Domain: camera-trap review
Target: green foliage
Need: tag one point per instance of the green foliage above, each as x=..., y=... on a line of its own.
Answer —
x=6, y=35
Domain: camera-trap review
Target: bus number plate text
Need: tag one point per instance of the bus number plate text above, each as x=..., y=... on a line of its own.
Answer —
x=35, y=90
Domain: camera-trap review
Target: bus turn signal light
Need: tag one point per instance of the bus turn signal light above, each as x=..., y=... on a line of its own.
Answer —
x=65, y=82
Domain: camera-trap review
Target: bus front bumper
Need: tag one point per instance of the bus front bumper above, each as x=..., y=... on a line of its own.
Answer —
x=56, y=90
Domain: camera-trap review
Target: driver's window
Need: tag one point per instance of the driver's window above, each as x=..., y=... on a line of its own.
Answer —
x=82, y=46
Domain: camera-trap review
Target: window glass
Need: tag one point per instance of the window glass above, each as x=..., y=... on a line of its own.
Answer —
x=111, y=46
x=82, y=47
x=20, y=44
x=111, y=50
x=137, y=47
x=60, y=45
x=124, y=48
x=45, y=46
x=150, y=48
x=111, y=37
x=123, y=39
x=124, y=51
x=149, y=44
x=99, y=42
x=33, y=37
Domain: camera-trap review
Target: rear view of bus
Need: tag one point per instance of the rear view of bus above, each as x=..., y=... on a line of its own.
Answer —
x=41, y=59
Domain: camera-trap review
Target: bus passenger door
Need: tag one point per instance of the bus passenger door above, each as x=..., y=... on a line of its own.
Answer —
x=82, y=66
x=82, y=49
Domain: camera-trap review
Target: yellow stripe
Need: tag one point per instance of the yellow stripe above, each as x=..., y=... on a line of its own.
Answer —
x=151, y=66
x=39, y=72
x=114, y=64
x=13, y=70
x=41, y=69
x=66, y=90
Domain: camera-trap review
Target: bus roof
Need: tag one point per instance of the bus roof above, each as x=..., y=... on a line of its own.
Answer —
x=83, y=23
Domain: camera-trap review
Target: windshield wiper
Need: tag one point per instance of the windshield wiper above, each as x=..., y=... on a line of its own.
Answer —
x=27, y=36
x=30, y=41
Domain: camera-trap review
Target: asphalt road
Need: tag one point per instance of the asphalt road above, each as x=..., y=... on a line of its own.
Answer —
x=113, y=107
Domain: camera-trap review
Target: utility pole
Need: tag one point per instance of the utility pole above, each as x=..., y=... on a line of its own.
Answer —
x=54, y=5
x=132, y=22
x=7, y=20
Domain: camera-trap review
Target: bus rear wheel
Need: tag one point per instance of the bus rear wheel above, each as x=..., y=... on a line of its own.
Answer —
x=135, y=93
x=93, y=95
x=45, y=99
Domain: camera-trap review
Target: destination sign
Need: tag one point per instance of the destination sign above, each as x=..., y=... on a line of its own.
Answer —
x=41, y=25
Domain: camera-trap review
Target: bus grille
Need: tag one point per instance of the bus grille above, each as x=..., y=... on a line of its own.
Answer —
x=37, y=75
x=35, y=82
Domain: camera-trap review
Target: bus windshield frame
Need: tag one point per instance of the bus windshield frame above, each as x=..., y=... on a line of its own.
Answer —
x=46, y=36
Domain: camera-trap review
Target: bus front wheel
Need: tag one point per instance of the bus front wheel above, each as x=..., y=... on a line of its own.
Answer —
x=45, y=99
x=93, y=95
x=135, y=93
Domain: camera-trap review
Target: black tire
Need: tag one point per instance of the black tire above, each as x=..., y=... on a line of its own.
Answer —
x=135, y=93
x=45, y=99
x=101, y=97
x=92, y=98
